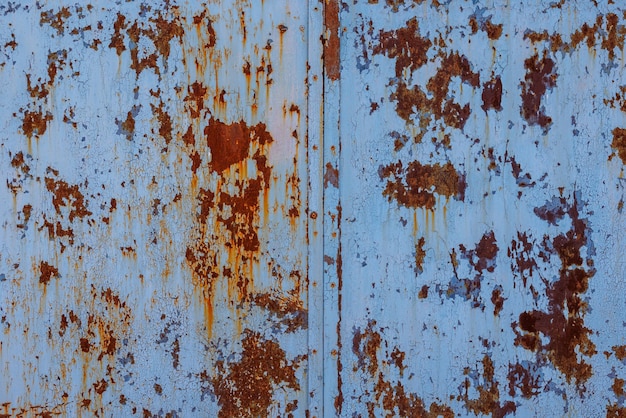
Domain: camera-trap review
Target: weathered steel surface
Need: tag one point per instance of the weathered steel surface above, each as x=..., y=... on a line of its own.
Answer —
x=479, y=190
x=324, y=208
x=155, y=216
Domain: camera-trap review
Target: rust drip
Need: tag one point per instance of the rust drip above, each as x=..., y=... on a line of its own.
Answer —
x=245, y=388
x=416, y=185
x=339, y=271
x=332, y=60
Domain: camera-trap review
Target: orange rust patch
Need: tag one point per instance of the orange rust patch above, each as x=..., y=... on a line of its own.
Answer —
x=246, y=387
x=332, y=60
x=417, y=185
x=619, y=143
x=47, y=272
x=68, y=196
x=540, y=77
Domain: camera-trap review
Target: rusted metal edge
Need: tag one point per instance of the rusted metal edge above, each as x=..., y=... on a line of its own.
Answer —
x=314, y=190
x=333, y=365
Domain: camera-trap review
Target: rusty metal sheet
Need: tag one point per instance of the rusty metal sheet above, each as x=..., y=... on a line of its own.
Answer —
x=155, y=223
x=381, y=208
x=475, y=247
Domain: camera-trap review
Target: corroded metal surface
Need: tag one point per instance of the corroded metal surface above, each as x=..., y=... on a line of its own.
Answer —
x=155, y=213
x=479, y=209
x=367, y=208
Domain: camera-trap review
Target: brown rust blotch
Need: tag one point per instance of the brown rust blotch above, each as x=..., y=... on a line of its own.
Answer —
x=162, y=35
x=35, y=123
x=420, y=255
x=230, y=143
x=331, y=176
x=47, y=271
x=288, y=309
x=416, y=185
x=423, y=293
x=620, y=351
x=497, y=300
x=332, y=61
x=406, y=45
x=492, y=94
x=55, y=20
x=488, y=402
x=117, y=40
x=619, y=143
x=68, y=196
x=165, y=121
x=540, y=77
x=245, y=388
x=525, y=379
x=366, y=346
x=563, y=322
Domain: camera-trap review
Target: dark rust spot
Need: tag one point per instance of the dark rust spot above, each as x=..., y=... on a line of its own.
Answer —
x=488, y=401
x=420, y=254
x=288, y=309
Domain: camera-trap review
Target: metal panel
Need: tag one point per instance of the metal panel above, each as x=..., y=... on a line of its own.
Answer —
x=479, y=221
x=155, y=218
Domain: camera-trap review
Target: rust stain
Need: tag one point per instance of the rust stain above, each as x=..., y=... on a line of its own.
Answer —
x=405, y=45
x=488, y=402
x=332, y=60
x=55, y=20
x=288, y=309
x=331, y=176
x=417, y=184
x=540, y=77
x=492, y=94
x=47, y=272
x=619, y=143
x=420, y=255
x=563, y=322
x=230, y=143
x=65, y=195
x=526, y=378
x=245, y=388
x=387, y=398
x=620, y=351
x=35, y=123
